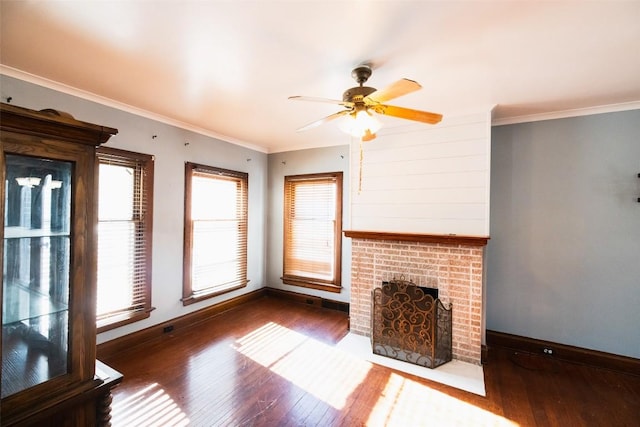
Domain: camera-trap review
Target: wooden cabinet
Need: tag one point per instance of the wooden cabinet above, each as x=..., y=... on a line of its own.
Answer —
x=48, y=203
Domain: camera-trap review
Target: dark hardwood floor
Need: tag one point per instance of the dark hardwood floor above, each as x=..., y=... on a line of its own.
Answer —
x=271, y=362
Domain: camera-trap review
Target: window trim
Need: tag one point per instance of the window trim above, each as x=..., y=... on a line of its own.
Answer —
x=147, y=162
x=334, y=285
x=188, y=295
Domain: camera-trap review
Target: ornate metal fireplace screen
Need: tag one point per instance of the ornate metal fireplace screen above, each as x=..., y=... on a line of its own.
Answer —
x=409, y=325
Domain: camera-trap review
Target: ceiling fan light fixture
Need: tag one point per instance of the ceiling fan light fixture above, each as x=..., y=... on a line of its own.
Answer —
x=361, y=101
x=359, y=124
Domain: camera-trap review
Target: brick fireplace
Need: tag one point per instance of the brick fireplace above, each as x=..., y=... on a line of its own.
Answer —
x=452, y=264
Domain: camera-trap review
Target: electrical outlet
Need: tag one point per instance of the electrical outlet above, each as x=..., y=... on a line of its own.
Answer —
x=167, y=329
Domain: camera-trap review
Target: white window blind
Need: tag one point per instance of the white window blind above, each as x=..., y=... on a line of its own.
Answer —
x=312, y=229
x=124, y=236
x=215, y=231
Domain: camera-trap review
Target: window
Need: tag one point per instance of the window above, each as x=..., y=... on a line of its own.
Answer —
x=215, y=232
x=125, y=222
x=313, y=231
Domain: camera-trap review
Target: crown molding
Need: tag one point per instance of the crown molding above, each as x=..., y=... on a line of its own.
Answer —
x=611, y=108
x=89, y=96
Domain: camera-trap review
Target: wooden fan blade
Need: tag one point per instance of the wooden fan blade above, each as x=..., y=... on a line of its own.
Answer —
x=408, y=113
x=394, y=90
x=323, y=121
x=325, y=100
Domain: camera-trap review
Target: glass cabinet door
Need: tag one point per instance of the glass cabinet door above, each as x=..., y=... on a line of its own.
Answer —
x=36, y=264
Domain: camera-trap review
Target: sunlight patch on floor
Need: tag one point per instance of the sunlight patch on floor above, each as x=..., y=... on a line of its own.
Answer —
x=318, y=368
x=151, y=406
x=332, y=375
x=267, y=344
x=405, y=402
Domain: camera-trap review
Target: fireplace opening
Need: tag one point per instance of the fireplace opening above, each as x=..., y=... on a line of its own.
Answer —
x=410, y=324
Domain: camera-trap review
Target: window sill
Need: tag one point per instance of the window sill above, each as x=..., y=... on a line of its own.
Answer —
x=121, y=320
x=312, y=284
x=193, y=298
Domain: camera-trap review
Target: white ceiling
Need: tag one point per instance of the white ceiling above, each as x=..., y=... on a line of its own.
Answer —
x=226, y=68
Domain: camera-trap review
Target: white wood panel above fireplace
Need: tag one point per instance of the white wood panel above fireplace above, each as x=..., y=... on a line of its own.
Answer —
x=424, y=179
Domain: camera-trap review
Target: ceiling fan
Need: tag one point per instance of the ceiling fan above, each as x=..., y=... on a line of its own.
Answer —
x=361, y=101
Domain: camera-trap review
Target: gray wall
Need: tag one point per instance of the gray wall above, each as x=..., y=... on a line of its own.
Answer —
x=564, y=256
x=563, y=262
x=135, y=134
x=316, y=160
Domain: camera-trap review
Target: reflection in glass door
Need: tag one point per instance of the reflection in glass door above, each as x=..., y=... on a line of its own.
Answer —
x=35, y=320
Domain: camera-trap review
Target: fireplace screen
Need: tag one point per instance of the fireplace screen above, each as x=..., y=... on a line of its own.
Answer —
x=409, y=325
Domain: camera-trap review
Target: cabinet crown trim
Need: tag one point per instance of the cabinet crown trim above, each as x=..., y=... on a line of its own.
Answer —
x=51, y=123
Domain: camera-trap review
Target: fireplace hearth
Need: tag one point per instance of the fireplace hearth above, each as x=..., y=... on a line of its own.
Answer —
x=410, y=325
